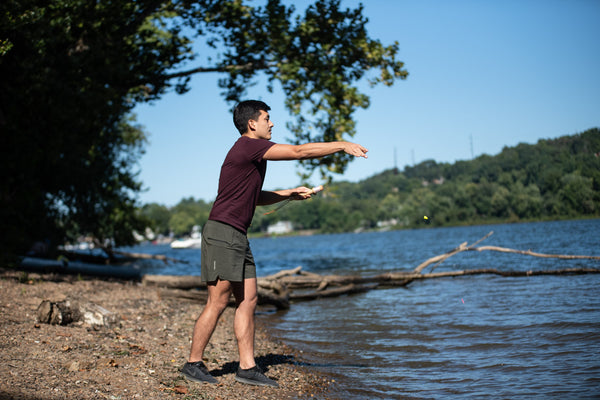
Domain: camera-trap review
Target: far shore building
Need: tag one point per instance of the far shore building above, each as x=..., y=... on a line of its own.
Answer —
x=280, y=228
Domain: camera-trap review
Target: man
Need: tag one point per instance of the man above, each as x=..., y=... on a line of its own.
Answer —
x=227, y=264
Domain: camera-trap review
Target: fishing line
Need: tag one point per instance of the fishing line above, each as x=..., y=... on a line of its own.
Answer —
x=314, y=190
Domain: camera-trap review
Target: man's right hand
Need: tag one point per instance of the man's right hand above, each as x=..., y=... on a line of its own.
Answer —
x=355, y=149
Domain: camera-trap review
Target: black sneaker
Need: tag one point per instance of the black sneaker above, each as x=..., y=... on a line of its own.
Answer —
x=197, y=372
x=254, y=376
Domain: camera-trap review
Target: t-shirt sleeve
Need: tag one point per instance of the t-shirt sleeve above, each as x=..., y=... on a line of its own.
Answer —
x=258, y=148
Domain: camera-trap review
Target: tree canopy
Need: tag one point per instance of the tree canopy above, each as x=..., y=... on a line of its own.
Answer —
x=73, y=70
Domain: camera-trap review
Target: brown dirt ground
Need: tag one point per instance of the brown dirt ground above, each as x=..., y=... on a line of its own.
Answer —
x=137, y=358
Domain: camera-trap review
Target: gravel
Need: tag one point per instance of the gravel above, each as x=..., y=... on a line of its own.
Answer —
x=139, y=356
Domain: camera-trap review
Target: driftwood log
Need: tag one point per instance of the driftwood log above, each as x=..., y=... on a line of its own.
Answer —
x=297, y=285
x=145, y=256
x=113, y=257
x=269, y=291
x=65, y=312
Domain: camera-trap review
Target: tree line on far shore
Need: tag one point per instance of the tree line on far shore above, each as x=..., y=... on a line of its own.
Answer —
x=552, y=179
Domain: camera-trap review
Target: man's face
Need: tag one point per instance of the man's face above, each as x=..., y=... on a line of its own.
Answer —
x=262, y=126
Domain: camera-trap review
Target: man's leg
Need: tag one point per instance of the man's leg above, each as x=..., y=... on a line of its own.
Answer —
x=218, y=297
x=246, y=298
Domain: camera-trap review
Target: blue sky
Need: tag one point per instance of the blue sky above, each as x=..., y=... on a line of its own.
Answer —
x=483, y=75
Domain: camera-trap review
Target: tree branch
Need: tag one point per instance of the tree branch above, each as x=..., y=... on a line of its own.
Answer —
x=225, y=68
x=531, y=253
x=463, y=247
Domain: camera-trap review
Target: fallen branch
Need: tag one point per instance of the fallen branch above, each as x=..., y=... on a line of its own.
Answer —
x=441, y=258
x=531, y=253
x=463, y=247
x=284, y=272
x=334, y=292
x=270, y=291
x=174, y=281
x=316, y=281
x=145, y=256
x=493, y=271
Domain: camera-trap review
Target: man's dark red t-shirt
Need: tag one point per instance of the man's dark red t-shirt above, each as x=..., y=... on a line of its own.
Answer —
x=240, y=183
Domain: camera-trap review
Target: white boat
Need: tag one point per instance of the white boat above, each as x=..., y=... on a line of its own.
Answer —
x=193, y=242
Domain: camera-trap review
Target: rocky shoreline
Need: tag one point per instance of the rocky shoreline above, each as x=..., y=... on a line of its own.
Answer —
x=139, y=356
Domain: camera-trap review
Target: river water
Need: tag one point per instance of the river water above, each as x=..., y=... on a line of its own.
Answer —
x=474, y=337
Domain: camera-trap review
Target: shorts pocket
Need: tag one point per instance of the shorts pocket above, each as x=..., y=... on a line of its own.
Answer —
x=222, y=256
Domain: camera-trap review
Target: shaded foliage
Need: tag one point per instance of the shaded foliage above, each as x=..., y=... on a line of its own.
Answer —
x=73, y=70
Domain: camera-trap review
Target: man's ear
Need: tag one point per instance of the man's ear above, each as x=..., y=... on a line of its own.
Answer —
x=251, y=124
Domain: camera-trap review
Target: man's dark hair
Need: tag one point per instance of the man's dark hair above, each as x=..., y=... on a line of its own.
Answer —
x=247, y=110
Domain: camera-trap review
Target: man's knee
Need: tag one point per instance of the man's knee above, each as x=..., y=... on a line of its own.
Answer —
x=247, y=300
x=218, y=296
x=246, y=294
x=252, y=299
x=218, y=304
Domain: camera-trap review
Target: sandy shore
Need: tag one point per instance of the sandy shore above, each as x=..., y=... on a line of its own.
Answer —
x=139, y=357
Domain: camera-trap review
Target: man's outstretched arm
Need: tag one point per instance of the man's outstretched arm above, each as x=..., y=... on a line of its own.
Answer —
x=271, y=197
x=313, y=150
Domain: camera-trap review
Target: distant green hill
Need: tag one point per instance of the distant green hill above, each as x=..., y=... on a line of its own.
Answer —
x=552, y=179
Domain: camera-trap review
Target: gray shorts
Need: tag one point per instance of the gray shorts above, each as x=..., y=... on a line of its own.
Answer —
x=225, y=254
